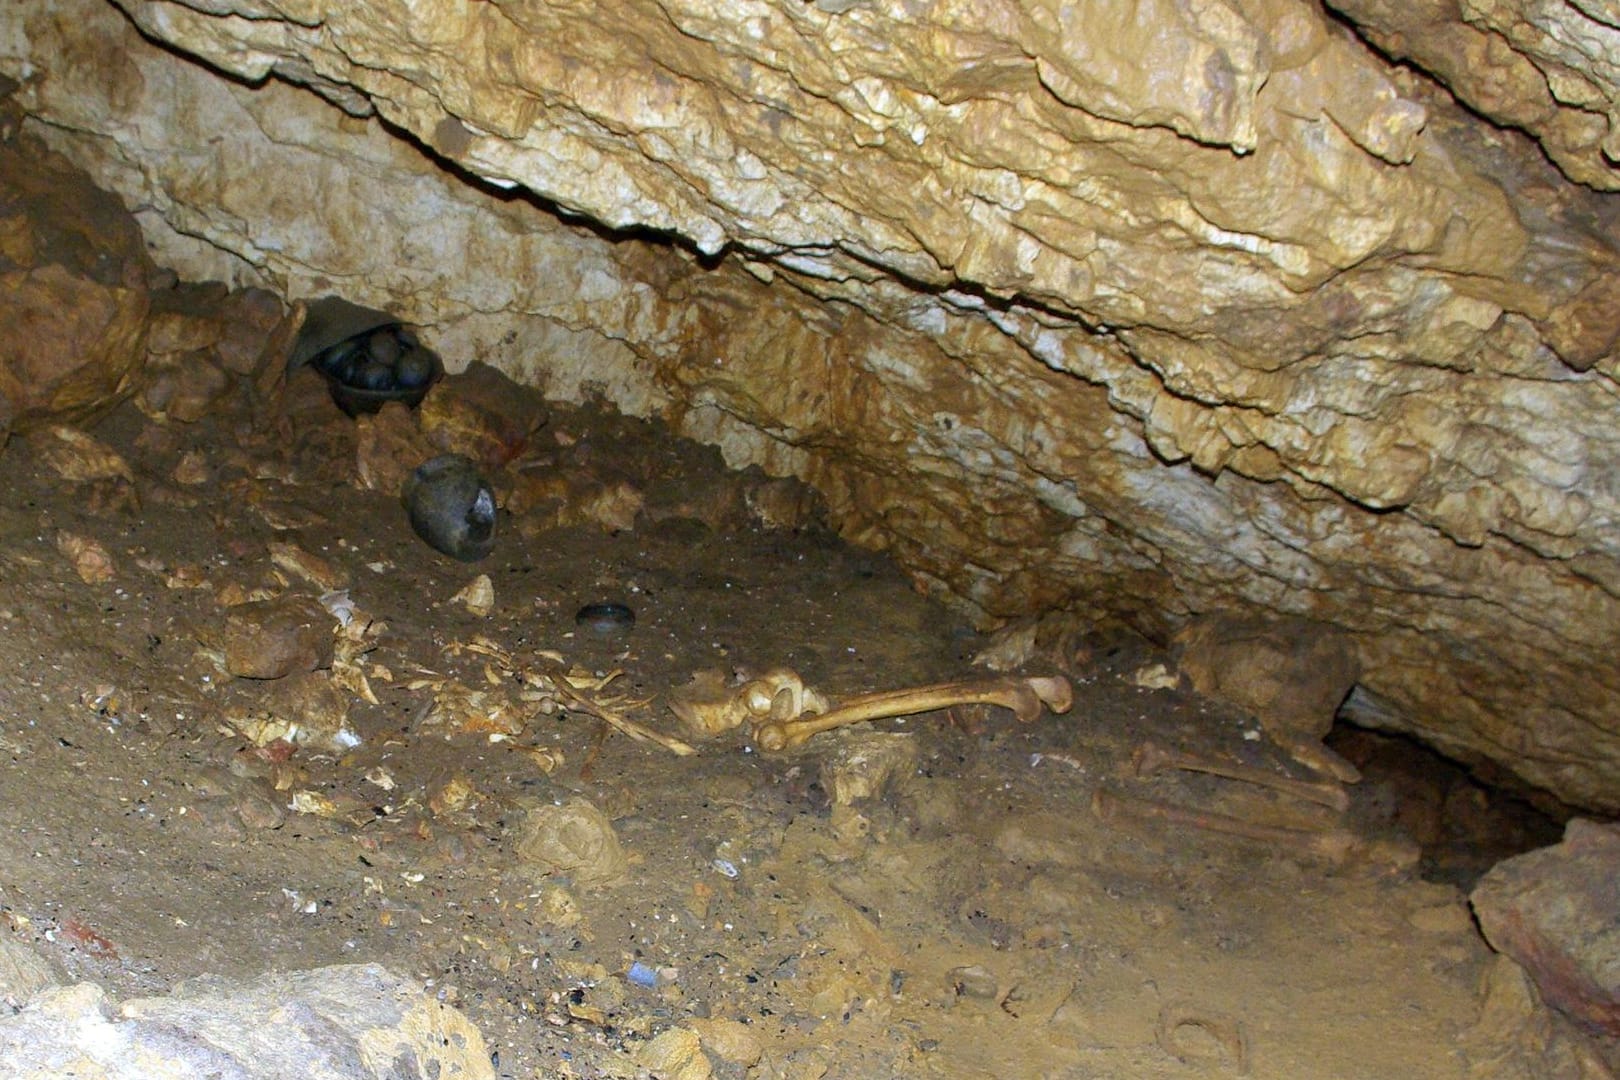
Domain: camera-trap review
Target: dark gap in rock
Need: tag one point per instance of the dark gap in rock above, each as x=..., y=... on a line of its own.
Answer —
x=1464, y=821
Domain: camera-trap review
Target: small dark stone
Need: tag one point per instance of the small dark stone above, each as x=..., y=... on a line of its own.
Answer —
x=383, y=345
x=414, y=369
x=605, y=618
x=374, y=375
x=342, y=360
x=451, y=507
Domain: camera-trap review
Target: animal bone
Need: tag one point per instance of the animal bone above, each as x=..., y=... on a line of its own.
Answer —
x=1024, y=696
x=708, y=706
x=1331, y=845
x=1152, y=758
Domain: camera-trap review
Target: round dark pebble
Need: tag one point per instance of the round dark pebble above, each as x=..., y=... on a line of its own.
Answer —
x=606, y=618
x=342, y=359
x=374, y=375
x=383, y=345
x=414, y=369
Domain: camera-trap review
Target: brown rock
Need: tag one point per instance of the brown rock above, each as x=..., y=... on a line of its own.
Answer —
x=389, y=449
x=73, y=268
x=482, y=414
x=1289, y=674
x=1555, y=912
x=268, y=639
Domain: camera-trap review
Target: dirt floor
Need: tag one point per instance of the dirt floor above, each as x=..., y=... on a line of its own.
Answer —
x=971, y=917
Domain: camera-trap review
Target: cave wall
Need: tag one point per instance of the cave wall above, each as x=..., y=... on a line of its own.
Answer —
x=1267, y=324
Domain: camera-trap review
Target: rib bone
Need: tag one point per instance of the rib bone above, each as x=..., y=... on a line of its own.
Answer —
x=1025, y=697
x=1152, y=758
x=1331, y=845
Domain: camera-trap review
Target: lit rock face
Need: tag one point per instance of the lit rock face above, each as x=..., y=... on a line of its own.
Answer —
x=1262, y=324
x=1548, y=67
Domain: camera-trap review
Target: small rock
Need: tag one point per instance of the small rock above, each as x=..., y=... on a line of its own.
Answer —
x=270, y=639
x=1555, y=912
x=192, y=469
x=575, y=839
x=389, y=445
x=90, y=560
x=483, y=415
x=729, y=1040
x=355, y=1022
x=865, y=765
x=478, y=596
x=677, y=1054
x=198, y=386
x=23, y=973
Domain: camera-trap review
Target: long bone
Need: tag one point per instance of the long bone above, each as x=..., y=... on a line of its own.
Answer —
x=1332, y=845
x=1025, y=697
x=1152, y=758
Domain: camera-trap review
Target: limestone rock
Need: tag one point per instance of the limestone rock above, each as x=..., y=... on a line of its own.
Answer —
x=73, y=289
x=1551, y=69
x=1557, y=913
x=270, y=639
x=1290, y=674
x=23, y=973
x=356, y=1022
x=1290, y=333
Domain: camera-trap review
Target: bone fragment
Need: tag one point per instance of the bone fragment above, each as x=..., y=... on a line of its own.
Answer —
x=1024, y=696
x=1335, y=846
x=1151, y=758
x=639, y=732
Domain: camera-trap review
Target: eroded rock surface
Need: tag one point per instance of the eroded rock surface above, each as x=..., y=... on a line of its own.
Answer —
x=1288, y=331
x=344, y=1022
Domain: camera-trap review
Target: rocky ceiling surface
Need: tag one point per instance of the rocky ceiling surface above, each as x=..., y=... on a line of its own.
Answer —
x=1128, y=311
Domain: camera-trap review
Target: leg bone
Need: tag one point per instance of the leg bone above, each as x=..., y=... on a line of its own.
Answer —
x=1331, y=845
x=1152, y=758
x=1025, y=697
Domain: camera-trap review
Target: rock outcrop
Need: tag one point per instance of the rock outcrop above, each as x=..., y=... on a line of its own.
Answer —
x=1259, y=323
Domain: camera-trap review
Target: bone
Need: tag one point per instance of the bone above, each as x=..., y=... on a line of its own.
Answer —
x=1335, y=846
x=1025, y=697
x=1151, y=758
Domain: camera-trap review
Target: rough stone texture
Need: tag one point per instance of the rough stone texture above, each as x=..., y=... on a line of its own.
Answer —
x=1287, y=331
x=1548, y=67
x=357, y=1022
x=1556, y=912
x=73, y=290
x=270, y=639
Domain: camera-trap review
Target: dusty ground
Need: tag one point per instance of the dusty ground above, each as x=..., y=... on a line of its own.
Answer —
x=975, y=919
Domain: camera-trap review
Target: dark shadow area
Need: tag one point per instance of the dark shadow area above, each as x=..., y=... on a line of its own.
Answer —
x=1464, y=824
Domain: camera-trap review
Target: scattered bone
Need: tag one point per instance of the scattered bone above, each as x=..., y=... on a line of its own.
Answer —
x=1154, y=677
x=1025, y=697
x=1010, y=648
x=1335, y=846
x=709, y=705
x=1151, y=758
x=614, y=719
x=317, y=571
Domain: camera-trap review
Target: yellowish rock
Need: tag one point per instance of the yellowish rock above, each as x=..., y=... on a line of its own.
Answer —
x=676, y=1054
